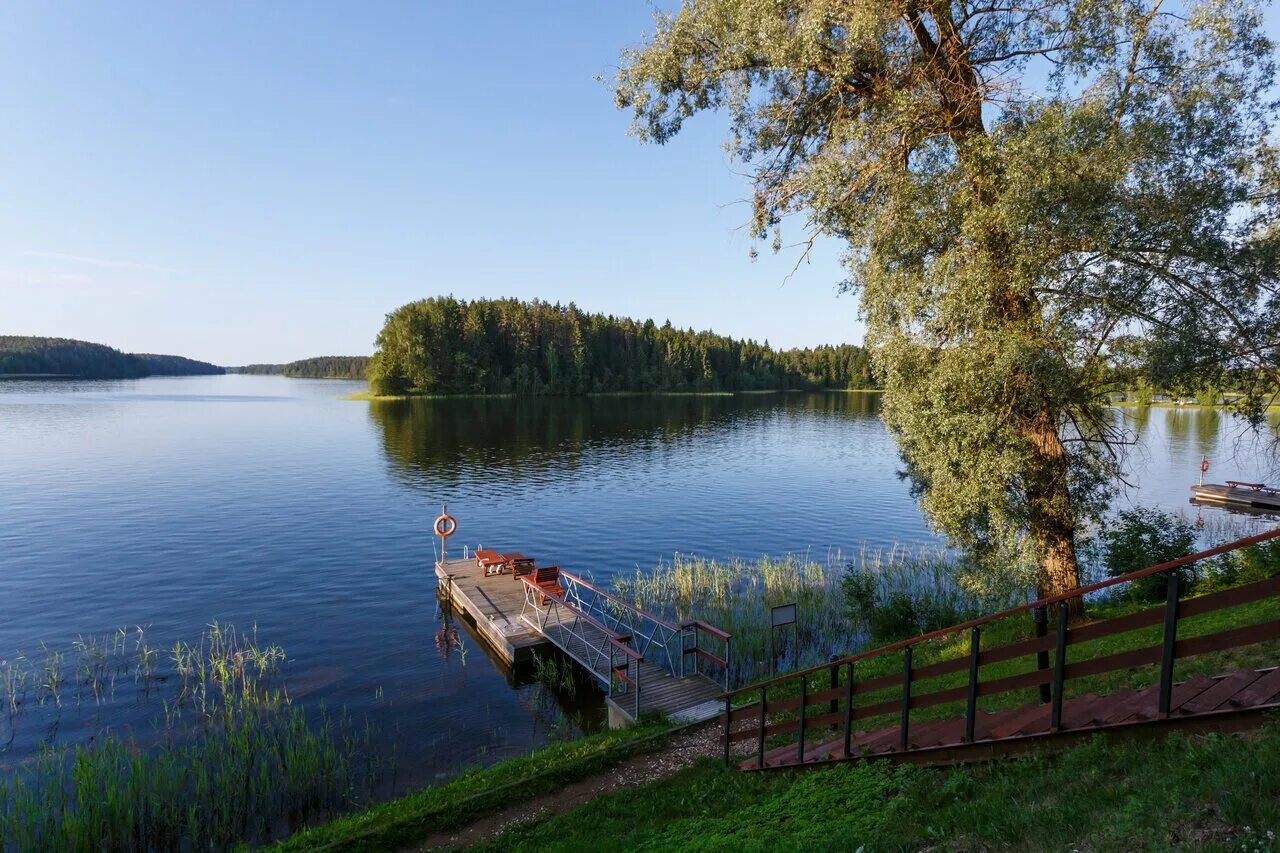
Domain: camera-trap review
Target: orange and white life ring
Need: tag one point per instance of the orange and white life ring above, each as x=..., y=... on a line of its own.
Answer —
x=446, y=525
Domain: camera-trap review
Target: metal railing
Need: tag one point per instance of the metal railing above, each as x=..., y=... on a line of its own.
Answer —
x=694, y=633
x=689, y=648
x=603, y=651
x=832, y=709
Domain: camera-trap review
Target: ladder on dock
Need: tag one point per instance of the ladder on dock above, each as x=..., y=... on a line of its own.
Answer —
x=918, y=700
x=645, y=663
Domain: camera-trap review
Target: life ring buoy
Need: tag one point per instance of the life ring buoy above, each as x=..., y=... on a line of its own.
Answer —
x=446, y=526
x=1204, y=465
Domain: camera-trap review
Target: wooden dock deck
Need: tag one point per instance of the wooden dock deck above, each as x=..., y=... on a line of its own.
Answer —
x=1256, y=496
x=493, y=604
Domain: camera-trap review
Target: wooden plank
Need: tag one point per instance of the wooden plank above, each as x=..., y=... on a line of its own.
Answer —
x=1227, y=686
x=1034, y=718
x=1231, y=639
x=1118, y=625
x=1124, y=704
x=1110, y=663
x=1232, y=597
x=1189, y=690
x=1259, y=691
x=1015, y=650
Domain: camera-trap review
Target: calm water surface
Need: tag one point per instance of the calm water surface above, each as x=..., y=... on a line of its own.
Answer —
x=171, y=502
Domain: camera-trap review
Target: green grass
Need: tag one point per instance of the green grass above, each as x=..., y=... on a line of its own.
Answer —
x=1210, y=792
x=394, y=824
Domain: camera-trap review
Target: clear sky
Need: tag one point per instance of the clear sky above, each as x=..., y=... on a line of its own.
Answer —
x=246, y=182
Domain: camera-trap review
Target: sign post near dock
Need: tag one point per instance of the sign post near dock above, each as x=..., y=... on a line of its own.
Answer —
x=779, y=617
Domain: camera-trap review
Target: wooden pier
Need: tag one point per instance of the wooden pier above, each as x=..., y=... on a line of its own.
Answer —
x=493, y=604
x=644, y=663
x=1234, y=493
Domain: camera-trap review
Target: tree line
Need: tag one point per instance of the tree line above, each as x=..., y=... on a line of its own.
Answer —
x=64, y=357
x=321, y=367
x=444, y=345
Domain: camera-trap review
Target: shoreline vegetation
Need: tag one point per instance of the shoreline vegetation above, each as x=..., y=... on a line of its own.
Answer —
x=24, y=357
x=319, y=367
x=444, y=345
x=369, y=396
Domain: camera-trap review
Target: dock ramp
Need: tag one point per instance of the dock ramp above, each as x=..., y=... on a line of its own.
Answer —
x=644, y=662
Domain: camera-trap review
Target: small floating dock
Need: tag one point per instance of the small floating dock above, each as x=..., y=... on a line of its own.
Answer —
x=1237, y=493
x=493, y=604
x=643, y=662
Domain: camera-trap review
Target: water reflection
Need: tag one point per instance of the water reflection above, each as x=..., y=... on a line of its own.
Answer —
x=527, y=437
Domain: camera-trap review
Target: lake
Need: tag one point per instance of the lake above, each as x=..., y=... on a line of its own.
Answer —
x=172, y=502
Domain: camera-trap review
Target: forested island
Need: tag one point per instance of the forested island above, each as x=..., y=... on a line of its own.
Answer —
x=444, y=345
x=34, y=357
x=321, y=367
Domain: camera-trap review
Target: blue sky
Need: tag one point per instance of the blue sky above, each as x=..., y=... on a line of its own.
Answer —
x=246, y=182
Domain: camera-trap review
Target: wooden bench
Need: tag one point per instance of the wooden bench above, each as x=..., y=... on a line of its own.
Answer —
x=1257, y=487
x=547, y=579
x=519, y=564
x=490, y=561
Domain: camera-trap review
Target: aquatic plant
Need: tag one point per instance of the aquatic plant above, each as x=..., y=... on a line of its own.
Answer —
x=737, y=595
x=228, y=761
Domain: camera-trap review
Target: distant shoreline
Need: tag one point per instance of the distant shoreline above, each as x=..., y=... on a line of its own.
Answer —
x=370, y=397
x=4, y=376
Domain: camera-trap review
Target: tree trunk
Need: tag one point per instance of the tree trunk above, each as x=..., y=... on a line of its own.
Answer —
x=1051, y=515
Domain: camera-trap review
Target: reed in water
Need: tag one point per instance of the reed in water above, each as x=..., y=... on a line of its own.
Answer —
x=227, y=760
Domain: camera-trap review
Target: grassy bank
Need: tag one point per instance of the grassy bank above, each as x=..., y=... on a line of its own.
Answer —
x=395, y=824
x=1208, y=792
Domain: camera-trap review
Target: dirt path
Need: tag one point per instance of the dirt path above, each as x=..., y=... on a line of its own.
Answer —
x=680, y=751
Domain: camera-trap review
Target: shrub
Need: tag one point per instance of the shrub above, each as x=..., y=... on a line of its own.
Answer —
x=888, y=615
x=1143, y=537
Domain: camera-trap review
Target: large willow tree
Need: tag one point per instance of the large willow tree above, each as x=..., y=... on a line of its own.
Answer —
x=1019, y=184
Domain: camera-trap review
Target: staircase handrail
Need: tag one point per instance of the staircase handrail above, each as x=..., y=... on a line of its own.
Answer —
x=1013, y=611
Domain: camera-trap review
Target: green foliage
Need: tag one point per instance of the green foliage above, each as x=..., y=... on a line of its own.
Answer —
x=891, y=614
x=1143, y=537
x=1005, y=227
x=1255, y=563
x=320, y=367
x=445, y=345
x=69, y=358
